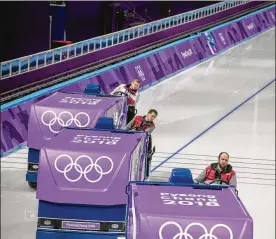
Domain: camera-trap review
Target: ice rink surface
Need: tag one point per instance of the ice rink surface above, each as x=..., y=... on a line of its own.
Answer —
x=224, y=104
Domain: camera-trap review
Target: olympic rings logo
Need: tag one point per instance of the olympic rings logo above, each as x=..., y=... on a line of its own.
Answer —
x=62, y=122
x=83, y=172
x=183, y=234
x=140, y=72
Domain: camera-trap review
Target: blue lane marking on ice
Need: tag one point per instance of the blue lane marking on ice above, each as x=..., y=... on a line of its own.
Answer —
x=214, y=124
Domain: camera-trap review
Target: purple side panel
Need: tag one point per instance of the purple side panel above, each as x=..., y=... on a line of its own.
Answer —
x=51, y=180
x=104, y=184
x=240, y=30
x=152, y=227
x=140, y=70
x=188, y=55
x=49, y=116
x=14, y=122
x=113, y=52
x=169, y=212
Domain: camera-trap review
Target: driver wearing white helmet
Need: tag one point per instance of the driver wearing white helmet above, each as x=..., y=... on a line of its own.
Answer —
x=218, y=173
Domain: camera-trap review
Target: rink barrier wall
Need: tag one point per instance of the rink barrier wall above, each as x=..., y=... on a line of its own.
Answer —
x=151, y=68
x=48, y=65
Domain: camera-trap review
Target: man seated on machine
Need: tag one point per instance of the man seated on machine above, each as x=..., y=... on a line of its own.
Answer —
x=131, y=91
x=218, y=173
x=145, y=123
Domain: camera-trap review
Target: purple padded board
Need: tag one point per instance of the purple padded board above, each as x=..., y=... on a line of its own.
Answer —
x=90, y=167
x=165, y=212
x=50, y=115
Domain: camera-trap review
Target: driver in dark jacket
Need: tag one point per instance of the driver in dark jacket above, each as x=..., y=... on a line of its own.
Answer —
x=220, y=171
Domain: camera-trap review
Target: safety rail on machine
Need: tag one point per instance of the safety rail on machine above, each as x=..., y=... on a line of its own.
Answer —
x=57, y=55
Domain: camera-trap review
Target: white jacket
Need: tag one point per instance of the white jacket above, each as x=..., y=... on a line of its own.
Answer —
x=133, y=98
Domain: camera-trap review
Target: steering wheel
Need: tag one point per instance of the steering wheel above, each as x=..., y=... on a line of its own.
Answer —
x=120, y=93
x=218, y=180
x=138, y=129
x=221, y=180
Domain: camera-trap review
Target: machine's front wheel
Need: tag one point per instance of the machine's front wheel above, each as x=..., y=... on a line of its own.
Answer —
x=32, y=185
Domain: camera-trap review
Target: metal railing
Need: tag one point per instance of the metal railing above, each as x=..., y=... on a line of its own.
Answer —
x=61, y=54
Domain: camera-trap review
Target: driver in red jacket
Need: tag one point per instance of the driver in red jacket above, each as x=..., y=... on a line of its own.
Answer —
x=144, y=123
x=220, y=171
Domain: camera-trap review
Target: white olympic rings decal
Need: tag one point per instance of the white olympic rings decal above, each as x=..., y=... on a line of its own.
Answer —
x=62, y=122
x=86, y=170
x=183, y=234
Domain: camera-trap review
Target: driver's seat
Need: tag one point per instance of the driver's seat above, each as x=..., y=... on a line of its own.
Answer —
x=181, y=175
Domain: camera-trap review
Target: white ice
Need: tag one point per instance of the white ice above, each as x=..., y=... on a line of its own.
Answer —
x=188, y=104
